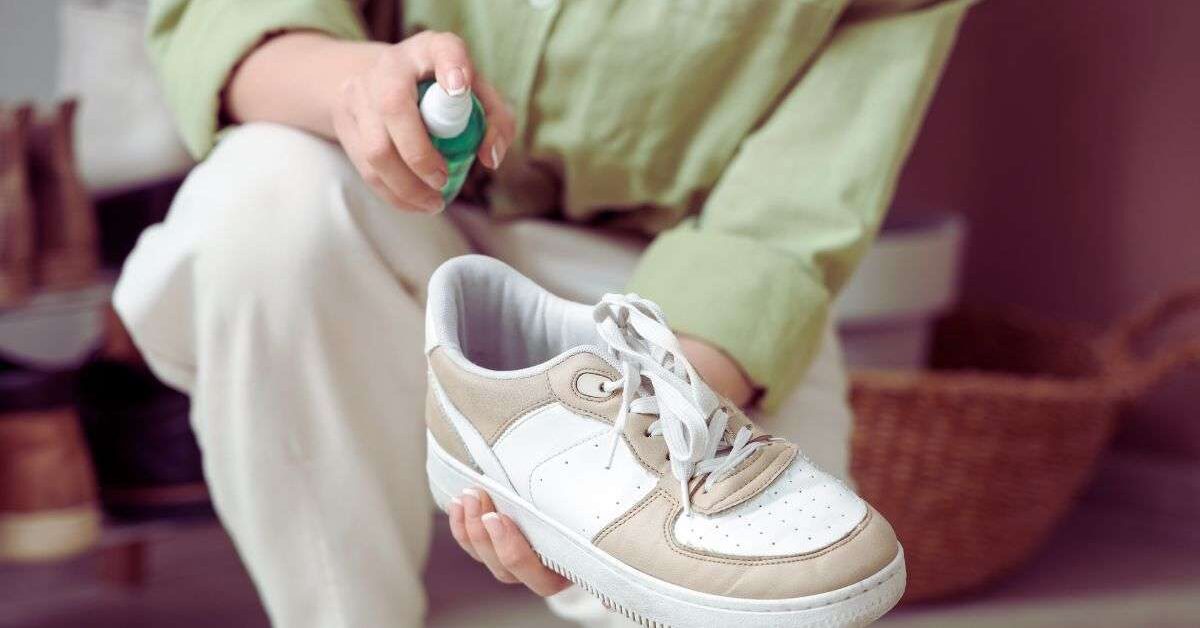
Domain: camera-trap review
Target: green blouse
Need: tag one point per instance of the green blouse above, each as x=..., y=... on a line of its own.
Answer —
x=759, y=140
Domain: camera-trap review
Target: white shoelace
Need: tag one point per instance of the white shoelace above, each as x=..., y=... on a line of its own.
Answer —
x=656, y=379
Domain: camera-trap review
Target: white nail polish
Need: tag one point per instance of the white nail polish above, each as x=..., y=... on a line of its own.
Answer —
x=495, y=158
x=456, y=501
x=490, y=516
x=472, y=492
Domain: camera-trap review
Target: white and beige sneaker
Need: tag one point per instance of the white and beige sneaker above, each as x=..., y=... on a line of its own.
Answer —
x=629, y=476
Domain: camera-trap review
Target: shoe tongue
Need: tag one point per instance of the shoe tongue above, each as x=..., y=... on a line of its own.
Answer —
x=752, y=475
x=756, y=474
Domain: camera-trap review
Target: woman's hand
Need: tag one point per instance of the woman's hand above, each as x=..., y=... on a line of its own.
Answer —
x=494, y=540
x=364, y=95
x=377, y=121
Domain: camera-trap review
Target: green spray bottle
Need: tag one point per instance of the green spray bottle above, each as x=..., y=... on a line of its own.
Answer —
x=456, y=127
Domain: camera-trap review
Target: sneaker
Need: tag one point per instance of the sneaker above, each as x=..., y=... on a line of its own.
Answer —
x=16, y=208
x=629, y=476
x=48, y=508
x=146, y=457
x=68, y=249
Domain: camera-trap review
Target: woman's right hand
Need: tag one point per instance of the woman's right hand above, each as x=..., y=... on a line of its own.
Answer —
x=377, y=121
x=364, y=95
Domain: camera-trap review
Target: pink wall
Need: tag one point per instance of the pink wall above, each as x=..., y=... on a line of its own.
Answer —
x=1069, y=132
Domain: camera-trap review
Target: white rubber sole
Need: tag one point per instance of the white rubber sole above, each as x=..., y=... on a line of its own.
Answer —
x=656, y=603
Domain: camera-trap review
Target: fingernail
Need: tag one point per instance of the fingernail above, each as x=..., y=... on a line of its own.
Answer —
x=456, y=82
x=497, y=153
x=471, y=492
x=436, y=179
x=456, y=501
x=495, y=527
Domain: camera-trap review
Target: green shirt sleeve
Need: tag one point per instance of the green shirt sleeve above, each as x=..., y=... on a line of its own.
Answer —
x=789, y=219
x=196, y=44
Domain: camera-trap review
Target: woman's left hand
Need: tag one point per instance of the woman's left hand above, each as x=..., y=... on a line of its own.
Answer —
x=495, y=540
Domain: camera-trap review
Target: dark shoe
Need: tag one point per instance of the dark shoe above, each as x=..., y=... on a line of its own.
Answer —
x=16, y=208
x=48, y=507
x=67, y=245
x=142, y=442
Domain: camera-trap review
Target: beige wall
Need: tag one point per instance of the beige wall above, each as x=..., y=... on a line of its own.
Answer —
x=1069, y=132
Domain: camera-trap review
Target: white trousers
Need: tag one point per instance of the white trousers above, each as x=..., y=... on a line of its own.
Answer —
x=287, y=301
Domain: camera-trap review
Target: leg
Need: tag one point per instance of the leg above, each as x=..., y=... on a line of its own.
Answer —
x=284, y=297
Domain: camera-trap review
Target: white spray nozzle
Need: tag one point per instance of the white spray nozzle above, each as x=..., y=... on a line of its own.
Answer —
x=445, y=115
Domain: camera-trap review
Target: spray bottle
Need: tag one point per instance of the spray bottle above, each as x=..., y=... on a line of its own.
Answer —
x=456, y=127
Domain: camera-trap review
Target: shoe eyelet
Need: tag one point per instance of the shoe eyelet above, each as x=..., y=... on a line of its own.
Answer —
x=593, y=386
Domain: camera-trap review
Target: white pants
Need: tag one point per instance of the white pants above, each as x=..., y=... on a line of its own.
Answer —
x=287, y=300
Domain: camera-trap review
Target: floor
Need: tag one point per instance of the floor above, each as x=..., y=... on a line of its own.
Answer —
x=1104, y=568
x=190, y=566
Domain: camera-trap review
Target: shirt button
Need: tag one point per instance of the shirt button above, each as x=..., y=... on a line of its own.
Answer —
x=541, y=4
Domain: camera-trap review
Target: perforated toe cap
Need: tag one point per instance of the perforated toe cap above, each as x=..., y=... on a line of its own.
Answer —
x=864, y=551
x=804, y=510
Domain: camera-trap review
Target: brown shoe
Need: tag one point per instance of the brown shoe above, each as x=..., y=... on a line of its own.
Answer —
x=48, y=506
x=67, y=247
x=16, y=207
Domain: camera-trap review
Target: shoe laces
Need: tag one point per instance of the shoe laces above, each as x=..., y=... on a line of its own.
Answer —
x=657, y=380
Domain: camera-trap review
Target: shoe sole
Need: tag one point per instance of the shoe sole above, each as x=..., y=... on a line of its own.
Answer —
x=653, y=602
x=48, y=535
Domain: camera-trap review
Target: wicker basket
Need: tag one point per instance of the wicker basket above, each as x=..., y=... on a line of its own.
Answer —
x=975, y=461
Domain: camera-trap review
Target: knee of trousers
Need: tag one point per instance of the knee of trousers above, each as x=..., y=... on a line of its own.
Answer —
x=244, y=226
x=280, y=211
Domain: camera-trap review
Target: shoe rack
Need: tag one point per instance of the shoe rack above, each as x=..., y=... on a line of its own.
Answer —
x=73, y=390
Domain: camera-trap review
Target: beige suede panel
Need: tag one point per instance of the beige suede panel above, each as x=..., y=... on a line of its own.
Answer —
x=642, y=539
x=650, y=451
x=750, y=479
x=490, y=404
x=564, y=375
x=443, y=431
